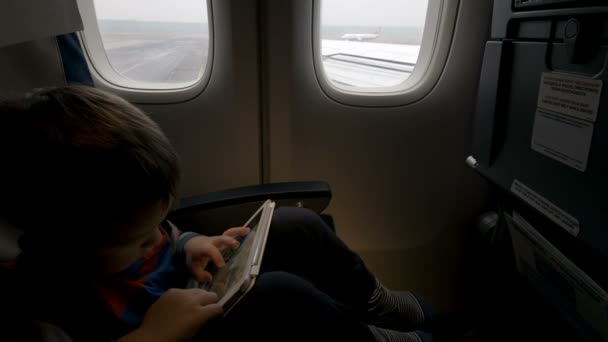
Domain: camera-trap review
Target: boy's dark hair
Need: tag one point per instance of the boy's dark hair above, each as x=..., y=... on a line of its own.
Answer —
x=75, y=160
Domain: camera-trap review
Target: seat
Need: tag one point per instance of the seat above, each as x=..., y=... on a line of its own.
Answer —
x=209, y=214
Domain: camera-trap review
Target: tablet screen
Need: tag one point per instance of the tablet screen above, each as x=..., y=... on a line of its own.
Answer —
x=237, y=262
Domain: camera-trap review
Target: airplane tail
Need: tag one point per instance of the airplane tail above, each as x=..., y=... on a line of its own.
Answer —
x=379, y=30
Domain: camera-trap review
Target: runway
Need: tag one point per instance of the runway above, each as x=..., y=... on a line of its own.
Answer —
x=157, y=59
x=166, y=60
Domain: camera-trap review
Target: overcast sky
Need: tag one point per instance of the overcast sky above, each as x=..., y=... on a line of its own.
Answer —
x=374, y=12
x=335, y=12
x=194, y=11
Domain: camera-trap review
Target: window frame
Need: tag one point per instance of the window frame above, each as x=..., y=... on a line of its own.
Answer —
x=436, y=44
x=106, y=77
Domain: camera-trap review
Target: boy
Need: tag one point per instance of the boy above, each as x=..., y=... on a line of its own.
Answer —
x=90, y=179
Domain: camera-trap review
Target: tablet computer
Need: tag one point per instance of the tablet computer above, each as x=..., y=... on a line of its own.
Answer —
x=238, y=276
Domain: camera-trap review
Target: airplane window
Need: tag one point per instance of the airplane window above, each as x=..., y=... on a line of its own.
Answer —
x=371, y=45
x=153, y=44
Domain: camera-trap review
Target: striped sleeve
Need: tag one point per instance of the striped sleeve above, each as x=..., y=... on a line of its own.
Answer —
x=179, y=240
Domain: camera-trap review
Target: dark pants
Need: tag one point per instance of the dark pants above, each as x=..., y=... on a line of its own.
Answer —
x=312, y=287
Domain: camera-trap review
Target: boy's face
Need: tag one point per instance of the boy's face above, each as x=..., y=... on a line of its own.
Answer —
x=134, y=239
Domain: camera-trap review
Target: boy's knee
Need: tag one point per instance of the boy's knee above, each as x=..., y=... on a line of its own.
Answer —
x=281, y=284
x=294, y=218
x=279, y=291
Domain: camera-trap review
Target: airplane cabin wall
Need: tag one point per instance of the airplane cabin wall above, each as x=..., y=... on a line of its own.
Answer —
x=217, y=134
x=403, y=197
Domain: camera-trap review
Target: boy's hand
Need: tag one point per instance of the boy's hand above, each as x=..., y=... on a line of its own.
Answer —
x=177, y=316
x=201, y=249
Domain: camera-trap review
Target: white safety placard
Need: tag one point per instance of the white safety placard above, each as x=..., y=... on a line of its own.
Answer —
x=550, y=210
x=571, y=95
x=563, y=138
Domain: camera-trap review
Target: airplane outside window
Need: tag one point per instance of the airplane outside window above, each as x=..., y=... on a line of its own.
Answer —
x=371, y=44
x=156, y=44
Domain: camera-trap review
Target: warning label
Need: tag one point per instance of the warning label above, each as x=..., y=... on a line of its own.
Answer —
x=557, y=215
x=570, y=95
x=563, y=138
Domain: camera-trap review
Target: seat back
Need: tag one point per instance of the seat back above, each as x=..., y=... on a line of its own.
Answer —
x=37, y=50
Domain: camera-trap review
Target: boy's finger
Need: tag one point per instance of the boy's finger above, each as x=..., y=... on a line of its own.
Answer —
x=237, y=231
x=225, y=241
x=201, y=275
x=205, y=297
x=199, y=262
x=215, y=255
x=211, y=311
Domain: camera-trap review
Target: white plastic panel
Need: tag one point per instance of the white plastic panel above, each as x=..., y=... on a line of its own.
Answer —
x=28, y=20
x=422, y=64
x=161, y=44
x=172, y=72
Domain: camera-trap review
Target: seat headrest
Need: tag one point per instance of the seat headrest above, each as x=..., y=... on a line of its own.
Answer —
x=30, y=65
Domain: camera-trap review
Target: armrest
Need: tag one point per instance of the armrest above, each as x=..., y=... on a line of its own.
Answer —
x=216, y=211
x=312, y=195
